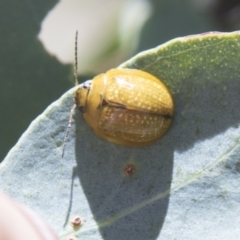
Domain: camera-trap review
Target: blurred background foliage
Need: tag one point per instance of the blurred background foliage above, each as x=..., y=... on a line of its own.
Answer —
x=31, y=78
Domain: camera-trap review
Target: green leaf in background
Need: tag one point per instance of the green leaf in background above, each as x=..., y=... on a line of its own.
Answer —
x=30, y=78
x=186, y=185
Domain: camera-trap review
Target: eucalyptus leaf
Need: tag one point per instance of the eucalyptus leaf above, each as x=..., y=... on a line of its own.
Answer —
x=186, y=185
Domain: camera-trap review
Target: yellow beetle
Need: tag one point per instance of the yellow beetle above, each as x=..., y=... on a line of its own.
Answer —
x=126, y=106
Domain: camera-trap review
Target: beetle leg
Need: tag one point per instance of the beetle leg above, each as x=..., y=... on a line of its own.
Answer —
x=68, y=128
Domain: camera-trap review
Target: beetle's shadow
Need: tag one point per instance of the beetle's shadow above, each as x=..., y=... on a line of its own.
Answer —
x=124, y=206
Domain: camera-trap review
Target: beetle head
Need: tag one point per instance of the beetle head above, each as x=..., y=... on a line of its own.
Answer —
x=82, y=95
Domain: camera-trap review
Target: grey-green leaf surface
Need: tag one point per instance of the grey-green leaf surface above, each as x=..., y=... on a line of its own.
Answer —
x=186, y=185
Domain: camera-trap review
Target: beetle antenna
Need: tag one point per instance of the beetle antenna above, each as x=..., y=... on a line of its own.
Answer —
x=74, y=106
x=76, y=60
